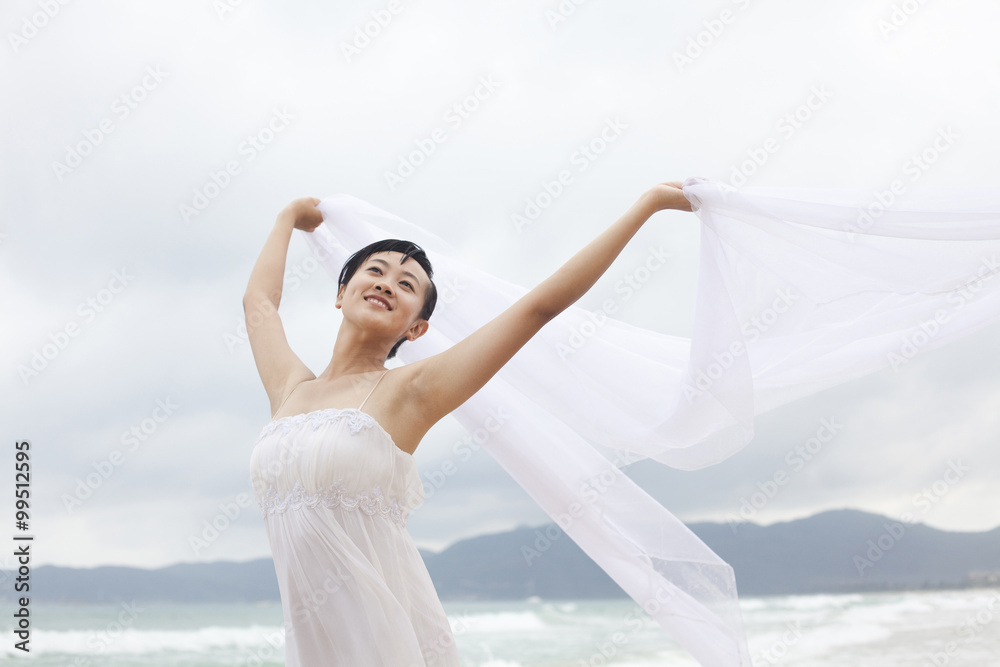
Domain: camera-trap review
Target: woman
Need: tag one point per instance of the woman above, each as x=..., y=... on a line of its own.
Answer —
x=354, y=589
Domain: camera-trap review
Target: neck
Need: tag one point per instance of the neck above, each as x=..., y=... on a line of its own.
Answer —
x=356, y=351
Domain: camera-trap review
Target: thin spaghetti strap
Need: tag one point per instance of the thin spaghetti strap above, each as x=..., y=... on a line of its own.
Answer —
x=373, y=389
x=283, y=402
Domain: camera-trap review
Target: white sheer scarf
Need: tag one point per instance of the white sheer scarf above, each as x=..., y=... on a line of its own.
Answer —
x=798, y=290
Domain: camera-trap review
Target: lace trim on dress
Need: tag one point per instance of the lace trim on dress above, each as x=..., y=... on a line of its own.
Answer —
x=333, y=496
x=356, y=419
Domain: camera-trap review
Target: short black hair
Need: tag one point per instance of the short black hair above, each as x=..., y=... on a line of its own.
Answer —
x=409, y=249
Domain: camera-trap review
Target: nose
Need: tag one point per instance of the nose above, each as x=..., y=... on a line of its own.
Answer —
x=384, y=289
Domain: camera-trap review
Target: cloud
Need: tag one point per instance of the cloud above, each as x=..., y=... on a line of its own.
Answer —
x=166, y=140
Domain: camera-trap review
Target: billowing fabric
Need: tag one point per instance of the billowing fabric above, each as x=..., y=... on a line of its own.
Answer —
x=336, y=492
x=798, y=290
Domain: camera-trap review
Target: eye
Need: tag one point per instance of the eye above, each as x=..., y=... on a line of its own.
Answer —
x=375, y=268
x=408, y=285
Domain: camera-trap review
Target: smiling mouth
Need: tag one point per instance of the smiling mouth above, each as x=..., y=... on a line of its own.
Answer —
x=381, y=303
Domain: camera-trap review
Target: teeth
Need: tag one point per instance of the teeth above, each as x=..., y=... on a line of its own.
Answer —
x=377, y=302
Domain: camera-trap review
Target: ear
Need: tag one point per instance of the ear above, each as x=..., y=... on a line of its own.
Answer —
x=417, y=329
x=340, y=296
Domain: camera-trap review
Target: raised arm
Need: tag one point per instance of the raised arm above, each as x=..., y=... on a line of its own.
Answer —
x=446, y=380
x=278, y=366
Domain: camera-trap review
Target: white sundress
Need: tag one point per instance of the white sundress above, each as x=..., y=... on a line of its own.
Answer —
x=336, y=493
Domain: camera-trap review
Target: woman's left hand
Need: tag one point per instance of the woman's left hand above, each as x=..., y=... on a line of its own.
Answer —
x=668, y=195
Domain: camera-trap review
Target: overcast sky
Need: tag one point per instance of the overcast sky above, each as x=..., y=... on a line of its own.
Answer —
x=126, y=245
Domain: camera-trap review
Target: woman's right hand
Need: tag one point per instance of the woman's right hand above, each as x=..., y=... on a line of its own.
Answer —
x=305, y=214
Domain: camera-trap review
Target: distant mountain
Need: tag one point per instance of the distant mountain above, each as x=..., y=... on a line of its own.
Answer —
x=837, y=551
x=848, y=550
x=221, y=581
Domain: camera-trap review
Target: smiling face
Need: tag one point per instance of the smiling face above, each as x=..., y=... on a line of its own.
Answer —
x=386, y=295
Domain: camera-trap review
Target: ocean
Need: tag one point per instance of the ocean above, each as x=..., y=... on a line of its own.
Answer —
x=911, y=629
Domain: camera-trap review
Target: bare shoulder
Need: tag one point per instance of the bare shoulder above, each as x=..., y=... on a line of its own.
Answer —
x=294, y=379
x=399, y=404
x=407, y=391
x=444, y=381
